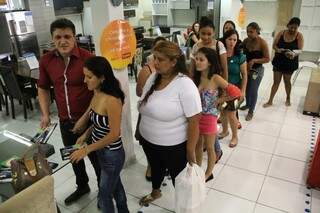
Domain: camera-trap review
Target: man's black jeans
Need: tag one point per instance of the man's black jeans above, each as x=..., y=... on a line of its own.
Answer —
x=69, y=139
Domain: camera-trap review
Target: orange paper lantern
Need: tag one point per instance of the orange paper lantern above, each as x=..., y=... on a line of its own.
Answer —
x=242, y=17
x=118, y=43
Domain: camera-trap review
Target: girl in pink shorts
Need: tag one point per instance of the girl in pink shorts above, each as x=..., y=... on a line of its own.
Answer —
x=210, y=84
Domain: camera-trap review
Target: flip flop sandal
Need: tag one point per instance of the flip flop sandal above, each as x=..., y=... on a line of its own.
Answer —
x=220, y=136
x=146, y=200
x=231, y=145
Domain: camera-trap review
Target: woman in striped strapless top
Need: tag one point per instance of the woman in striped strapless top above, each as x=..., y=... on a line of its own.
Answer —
x=105, y=119
x=101, y=128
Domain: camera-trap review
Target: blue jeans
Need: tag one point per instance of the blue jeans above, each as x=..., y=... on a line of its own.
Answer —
x=217, y=147
x=111, y=162
x=252, y=88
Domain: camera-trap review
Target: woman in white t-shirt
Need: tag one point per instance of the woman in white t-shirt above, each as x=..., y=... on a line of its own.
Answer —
x=207, y=32
x=143, y=75
x=170, y=109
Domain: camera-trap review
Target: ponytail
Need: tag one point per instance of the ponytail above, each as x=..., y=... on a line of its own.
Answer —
x=151, y=90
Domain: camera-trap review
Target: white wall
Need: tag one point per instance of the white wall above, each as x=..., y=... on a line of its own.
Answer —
x=146, y=5
x=87, y=19
x=82, y=22
x=143, y=10
x=43, y=16
x=183, y=17
x=296, y=8
x=262, y=12
x=86, y=26
x=134, y=21
x=229, y=11
x=77, y=21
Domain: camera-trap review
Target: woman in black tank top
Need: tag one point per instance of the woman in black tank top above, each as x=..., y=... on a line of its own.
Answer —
x=257, y=52
x=287, y=46
x=105, y=119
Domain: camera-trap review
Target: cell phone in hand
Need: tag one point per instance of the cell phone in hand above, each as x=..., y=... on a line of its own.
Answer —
x=68, y=150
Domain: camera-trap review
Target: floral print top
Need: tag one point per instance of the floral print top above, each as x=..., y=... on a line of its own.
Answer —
x=208, y=99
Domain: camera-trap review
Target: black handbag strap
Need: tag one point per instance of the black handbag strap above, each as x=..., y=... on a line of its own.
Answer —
x=61, y=167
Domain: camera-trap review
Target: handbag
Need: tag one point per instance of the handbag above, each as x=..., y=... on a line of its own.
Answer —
x=190, y=190
x=30, y=168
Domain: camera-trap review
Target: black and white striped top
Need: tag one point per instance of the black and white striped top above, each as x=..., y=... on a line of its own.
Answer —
x=101, y=128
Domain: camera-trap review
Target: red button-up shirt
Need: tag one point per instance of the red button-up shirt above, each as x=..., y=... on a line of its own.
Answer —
x=71, y=93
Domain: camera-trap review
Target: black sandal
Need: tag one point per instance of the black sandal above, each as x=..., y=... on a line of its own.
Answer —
x=148, y=178
x=221, y=153
x=209, y=178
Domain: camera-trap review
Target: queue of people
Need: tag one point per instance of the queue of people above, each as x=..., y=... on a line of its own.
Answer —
x=223, y=73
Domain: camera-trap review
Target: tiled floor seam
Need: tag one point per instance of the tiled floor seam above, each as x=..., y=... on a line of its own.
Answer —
x=257, y=150
x=269, y=207
x=233, y=195
x=243, y=198
x=257, y=173
x=289, y=181
x=265, y=176
x=60, y=170
x=264, y=134
x=282, y=156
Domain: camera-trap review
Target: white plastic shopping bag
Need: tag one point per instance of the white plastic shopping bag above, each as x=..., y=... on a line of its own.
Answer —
x=190, y=190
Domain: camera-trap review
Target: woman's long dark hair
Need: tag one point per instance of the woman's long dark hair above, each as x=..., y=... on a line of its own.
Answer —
x=192, y=27
x=100, y=66
x=229, y=22
x=215, y=67
x=237, y=48
x=173, y=52
x=206, y=22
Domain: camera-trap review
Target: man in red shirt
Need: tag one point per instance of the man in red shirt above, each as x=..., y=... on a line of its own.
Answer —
x=62, y=68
